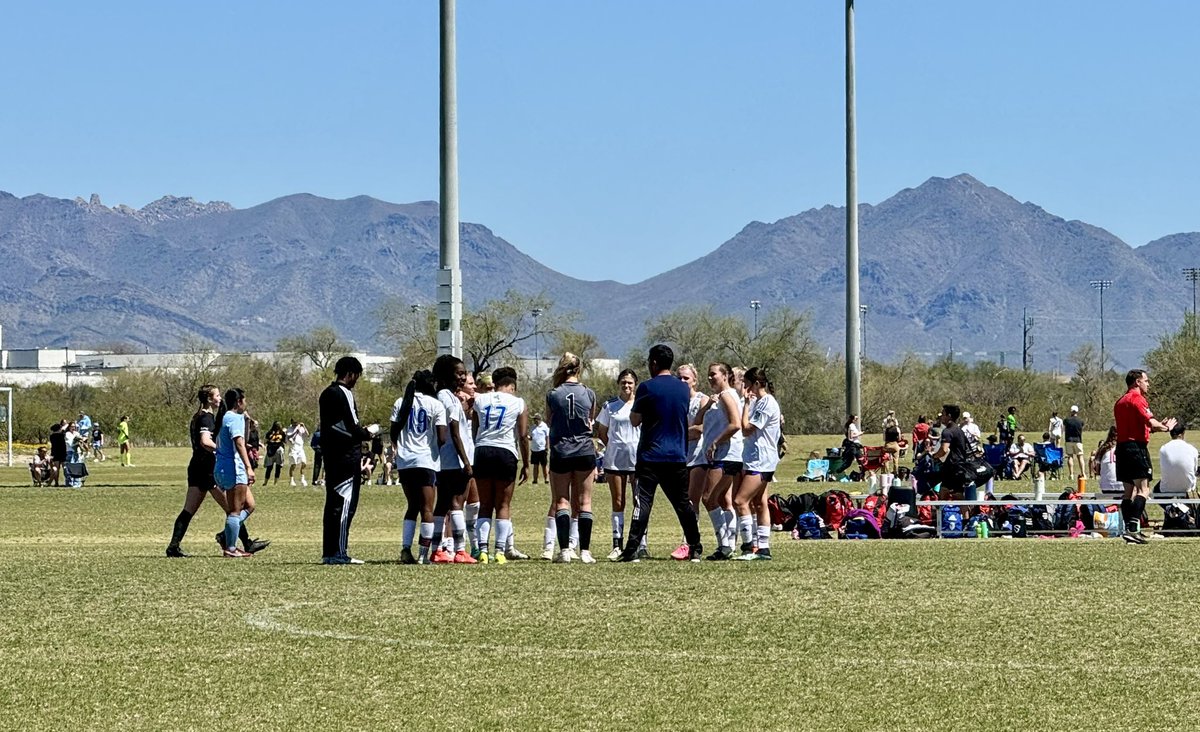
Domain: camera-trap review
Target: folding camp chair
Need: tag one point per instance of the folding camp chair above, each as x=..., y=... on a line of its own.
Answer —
x=997, y=457
x=1049, y=459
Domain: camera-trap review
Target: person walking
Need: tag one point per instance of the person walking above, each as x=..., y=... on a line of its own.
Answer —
x=660, y=411
x=341, y=442
x=1073, y=447
x=1135, y=422
x=232, y=472
x=124, y=444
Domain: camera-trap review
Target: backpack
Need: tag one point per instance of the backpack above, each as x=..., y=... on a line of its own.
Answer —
x=1043, y=520
x=779, y=514
x=809, y=526
x=925, y=513
x=861, y=524
x=972, y=526
x=1066, y=514
x=1020, y=521
x=1178, y=517
x=834, y=507
x=952, y=522
x=876, y=504
x=803, y=503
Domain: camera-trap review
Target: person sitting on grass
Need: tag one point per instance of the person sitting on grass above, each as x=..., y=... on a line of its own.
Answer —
x=1021, y=454
x=40, y=468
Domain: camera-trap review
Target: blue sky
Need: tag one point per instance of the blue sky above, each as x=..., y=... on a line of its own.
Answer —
x=610, y=139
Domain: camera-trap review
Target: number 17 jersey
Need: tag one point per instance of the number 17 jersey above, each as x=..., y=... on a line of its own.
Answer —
x=497, y=412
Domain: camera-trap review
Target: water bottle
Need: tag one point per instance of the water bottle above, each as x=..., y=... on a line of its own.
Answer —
x=981, y=530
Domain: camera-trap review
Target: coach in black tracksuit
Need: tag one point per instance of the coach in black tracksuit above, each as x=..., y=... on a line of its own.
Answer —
x=341, y=442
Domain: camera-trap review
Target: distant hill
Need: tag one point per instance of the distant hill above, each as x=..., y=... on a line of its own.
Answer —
x=950, y=259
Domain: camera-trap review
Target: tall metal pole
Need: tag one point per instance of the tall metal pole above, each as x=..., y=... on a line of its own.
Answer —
x=1102, y=285
x=8, y=420
x=755, y=305
x=853, y=326
x=1192, y=274
x=449, y=276
x=537, y=357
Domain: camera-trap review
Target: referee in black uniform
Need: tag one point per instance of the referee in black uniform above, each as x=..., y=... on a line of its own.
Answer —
x=341, y=443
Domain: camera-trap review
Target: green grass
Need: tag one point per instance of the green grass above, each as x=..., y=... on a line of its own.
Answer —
x=102, y=632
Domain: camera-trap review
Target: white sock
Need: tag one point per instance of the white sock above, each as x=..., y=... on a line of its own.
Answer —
x=574, y=534
x=458, y=529
x=471, y=516
x=549, y=533
x=509, y=538
x=730, y=527
x=746, y=529
x=764, y=537
x=717, y=516
x=642, y=543
x=410, y=529
x=426, y=538
x=503, y=534
x=618, y=527
x=483, y=529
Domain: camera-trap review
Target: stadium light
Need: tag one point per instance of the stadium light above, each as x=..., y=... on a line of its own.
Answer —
x=1101, y=285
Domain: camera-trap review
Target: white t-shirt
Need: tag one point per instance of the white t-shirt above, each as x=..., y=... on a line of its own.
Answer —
x=970, y=428
x=762, y=447
x=418, y=447
x=716, y=421
x=1177, y=462
x=1056, y=426
x=694, y=451
x=538, y=437
x=1108, y=473
x=497, y=412
x=621, y=453
x=854, y=432
x=297, y=435
x=1022, y=451
x=455, y=413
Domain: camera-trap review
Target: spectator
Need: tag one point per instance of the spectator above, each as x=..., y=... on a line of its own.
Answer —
x=1104, y=464
x=920, y=434
x=970, y=429
x=1007, y=427
x=276, y=437
x=1056, y=428
x=124, y=443
x=41, y=468
x=1021, y=454
x=538, y=456
x=296, y=434
x=97, y=442
x=253, y=441
x=58, y=450
x=954, y=454
x=84, y=423
x=891, y=441
x=1177, y=463
x=315, y=444
x=1073, y=448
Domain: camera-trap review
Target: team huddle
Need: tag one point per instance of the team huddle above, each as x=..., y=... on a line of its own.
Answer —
x=461, y=448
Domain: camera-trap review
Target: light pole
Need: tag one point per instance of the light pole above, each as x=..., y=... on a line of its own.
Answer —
x=449, y=275
x=862, y=311
x=1191, y=274
x=755, y=305
x=1101, y=285
x=853, y=367
x=537, y=358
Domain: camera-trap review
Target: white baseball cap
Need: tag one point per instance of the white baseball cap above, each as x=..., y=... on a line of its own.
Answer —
x=1074, y=408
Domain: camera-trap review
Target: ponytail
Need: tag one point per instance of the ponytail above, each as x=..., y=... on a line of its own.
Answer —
x=568, y=366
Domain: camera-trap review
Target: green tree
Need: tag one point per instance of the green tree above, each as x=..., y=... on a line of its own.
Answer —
x=322, y=346
x=1174, y=366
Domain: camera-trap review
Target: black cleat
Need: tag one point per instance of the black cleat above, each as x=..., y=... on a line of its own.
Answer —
x=721, y=554
x=254, y=546
x=696, y=553
x=631, y=557
x=175, y=552
x=1132, y=538
x=221, y=540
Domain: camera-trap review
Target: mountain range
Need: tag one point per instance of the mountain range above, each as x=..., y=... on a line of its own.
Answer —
x=950, y=264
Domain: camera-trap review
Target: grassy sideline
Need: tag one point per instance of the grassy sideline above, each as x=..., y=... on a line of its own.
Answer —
x=102, y=632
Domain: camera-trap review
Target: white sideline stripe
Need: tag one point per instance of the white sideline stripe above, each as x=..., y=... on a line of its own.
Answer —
x=267, y=620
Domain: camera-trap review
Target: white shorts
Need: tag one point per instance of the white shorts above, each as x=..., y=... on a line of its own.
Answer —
x=296, y=457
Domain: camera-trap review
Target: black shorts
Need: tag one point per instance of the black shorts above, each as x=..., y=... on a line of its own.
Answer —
x=200, y=474
x=454, y=482
x=573, y=464
x=728, y=467
x=416, y=478
x=495, y=463
x=1133, y=462
x=766, y=476
x=614, y=471
x=537, y=457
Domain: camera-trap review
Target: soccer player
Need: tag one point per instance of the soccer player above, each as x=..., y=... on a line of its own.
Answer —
x=123, y=442
x=418, y=433
x=572, y=408
x=501, y=425
x=721, y=447
x=697, y=464
x=620, y=438
x=341, y=442
x=1135, y=422
x=457, y=454
x=466, y=397
x=232, y=471
x=296, y=435
x=760, y=425
x=660, y=412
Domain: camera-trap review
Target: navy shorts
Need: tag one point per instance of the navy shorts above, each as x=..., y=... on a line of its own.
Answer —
x=495, y=463
x=416, y=478
x=728, y=467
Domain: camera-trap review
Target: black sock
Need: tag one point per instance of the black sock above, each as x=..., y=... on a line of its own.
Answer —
x=585, y=531
x=1139, y=508
x=244, y=535
x=1126, y=510
x=181, y=526
x=562, y=522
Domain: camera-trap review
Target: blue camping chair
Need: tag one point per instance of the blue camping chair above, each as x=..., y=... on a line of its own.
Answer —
x=1049, y=459
x=997, y=457
x=817, y=470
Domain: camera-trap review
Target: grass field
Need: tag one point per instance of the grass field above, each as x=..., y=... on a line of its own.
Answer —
x=101, y=631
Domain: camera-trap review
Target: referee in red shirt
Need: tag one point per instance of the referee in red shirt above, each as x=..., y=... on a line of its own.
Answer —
x=1135, y=422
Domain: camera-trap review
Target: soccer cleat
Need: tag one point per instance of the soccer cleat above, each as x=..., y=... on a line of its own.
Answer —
x=746, y=557
x=423, y=559
x=175, y=552
x=442, y=556
x=563, y=557
x=236, y=553
x=254, y=546
x=1131, y=538
x=643, y=553
x=1155, y=537
x=630, y=558
x=694, y=555
x=515, y=553
x=682, y=552
x=499, y=558
x=341, y=559
x=764, y=554
x=483, y=558
x=352, y=560
x=221, y=539
x=304, y=481
x=548, y=552
x=615, y=554
x=720, y=555
x=464, y=558
x=406, y=556
x=586, y=557
x=293, y=482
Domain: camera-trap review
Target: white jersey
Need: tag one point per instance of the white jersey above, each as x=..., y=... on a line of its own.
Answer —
x=621, y=452
x=715, y=424
x=695, y=452
x=762, y=447
x=1108, y=473
x=497, y=412
x=418, y=446
x=455, y=413
x=538, y=437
